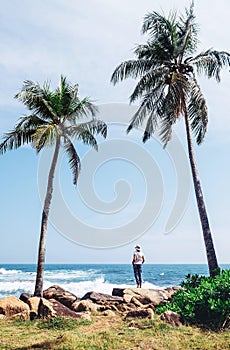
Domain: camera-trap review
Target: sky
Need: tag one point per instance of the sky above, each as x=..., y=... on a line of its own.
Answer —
x=128, y=192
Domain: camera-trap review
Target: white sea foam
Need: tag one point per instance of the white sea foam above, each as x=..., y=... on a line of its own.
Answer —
x=98, y=285
x=8, y=272
x=18, y=287
x=148, y=285
x=69, y=274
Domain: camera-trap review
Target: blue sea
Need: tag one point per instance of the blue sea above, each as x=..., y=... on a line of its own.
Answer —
x=80, y=279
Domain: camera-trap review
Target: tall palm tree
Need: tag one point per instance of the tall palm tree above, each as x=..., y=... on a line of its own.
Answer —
x=168, y=90
x=55, y=119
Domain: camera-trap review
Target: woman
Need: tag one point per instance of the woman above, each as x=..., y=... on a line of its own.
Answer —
x=138, y=260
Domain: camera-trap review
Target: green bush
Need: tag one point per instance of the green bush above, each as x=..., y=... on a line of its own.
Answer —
x=203, y=301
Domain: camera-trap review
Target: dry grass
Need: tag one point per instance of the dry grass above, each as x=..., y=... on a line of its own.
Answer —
x=107, y=333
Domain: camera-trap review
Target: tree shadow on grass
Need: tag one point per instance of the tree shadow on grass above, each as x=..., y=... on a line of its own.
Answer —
x=45, y=345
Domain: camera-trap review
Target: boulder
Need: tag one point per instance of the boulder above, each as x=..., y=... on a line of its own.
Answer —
x=141, y=300
x=165, y=293
x=61, y=295
x=172, y=318
x=34, y=306
x=84, y=305
x=11, y=306
x=144, y=296
x=118, y=292
x=141, y=313
x=136, y=302
x=124, y=307
x=25, y=296
x=100, y=298
x=53, y=308
x=45, y=309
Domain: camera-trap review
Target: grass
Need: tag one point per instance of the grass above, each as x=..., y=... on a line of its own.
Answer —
x=107, y=333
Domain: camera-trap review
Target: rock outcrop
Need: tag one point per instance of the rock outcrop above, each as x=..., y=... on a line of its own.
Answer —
x=129, y=302
x=63, y=296
x=101, y=298
x=12, y=306
x=53, y=308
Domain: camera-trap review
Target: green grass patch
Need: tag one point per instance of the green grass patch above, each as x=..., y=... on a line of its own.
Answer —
x=107, y=334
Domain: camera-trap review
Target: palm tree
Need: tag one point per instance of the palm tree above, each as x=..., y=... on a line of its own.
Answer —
x=168, y=90
x=54, y=120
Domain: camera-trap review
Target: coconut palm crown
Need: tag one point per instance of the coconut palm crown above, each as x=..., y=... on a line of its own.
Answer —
x=168, y=89
x=55, y=120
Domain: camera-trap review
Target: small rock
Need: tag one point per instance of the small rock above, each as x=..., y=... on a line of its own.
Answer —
x=109, y=313
x=118, y=292
x=25, y=296
x=142, y=313
x=172, y=318
x=84, y=305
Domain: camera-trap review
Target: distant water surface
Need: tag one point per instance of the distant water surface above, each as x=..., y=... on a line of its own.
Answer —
x=80, y=279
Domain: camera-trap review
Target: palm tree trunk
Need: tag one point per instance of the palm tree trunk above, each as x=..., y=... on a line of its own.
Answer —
x=210, y=250
x=45, y=213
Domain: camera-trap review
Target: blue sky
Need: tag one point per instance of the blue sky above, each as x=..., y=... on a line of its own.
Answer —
x=85, y=41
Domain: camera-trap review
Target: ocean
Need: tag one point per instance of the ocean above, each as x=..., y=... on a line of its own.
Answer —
x=80, y=279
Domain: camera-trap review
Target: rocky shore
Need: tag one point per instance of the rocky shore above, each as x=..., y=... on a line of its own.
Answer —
x=130, y=303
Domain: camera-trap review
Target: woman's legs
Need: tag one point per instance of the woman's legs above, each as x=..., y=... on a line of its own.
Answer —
x=137, y=268
x=139, y=271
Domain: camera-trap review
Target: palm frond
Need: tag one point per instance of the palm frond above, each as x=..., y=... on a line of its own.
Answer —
x=81, y=108
x=166, y=126
x=37, y=99
x=64, y=97
x=163, y=33
x=73, y=159
x=150, y=107
x=157, y=51
x=197, y=112
x=95, y=126
x=147, y=83
x=211, y=62
x=151, y=125
x=156, y=24
x=81, y=132
x=187, y=33
x=73, y=100
x=146, y=106
x=130, y=69
x=22, y=133
x=173, y=105
x=15, y=139
x=30, y=123
x=44, y=136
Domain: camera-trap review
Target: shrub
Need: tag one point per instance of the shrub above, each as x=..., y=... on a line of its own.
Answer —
x=203, y=301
